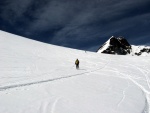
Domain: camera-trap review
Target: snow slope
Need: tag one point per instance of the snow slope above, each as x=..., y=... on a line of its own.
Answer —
x=105, y=45
x=40, y=78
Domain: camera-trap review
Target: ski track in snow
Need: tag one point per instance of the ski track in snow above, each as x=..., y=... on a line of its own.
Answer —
x=33, y=56
x=54, y=105
x=147, y=93
x=50, y=80
x=143, y=72
x=123, y=95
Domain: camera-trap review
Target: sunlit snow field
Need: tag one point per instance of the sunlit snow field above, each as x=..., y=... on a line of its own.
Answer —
x=41, y=78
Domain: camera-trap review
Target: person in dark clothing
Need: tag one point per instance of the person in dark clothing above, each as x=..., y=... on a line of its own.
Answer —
x=77, y=64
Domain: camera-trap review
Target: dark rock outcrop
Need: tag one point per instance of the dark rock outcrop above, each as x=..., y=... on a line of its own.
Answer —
x=121, y=46
x=147, y=50
x=118, y=46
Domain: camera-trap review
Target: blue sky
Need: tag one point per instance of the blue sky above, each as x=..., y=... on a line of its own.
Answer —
x=80, y=24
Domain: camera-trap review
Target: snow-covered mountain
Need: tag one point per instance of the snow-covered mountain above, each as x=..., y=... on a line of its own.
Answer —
x=122, y=47
x=41, y=78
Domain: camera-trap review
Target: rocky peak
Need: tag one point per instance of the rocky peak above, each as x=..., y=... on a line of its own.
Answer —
x=116, y=46
x=119, y=45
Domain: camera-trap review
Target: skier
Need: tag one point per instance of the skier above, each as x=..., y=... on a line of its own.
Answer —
x=77, y=64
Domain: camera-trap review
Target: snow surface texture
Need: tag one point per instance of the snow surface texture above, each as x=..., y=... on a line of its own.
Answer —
x=40, y=78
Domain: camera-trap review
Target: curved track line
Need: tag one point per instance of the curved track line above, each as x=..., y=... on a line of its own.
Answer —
x=123, y=95
x=48, y=80
x=54, y=105
x=142, y=71
x=145, y=92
